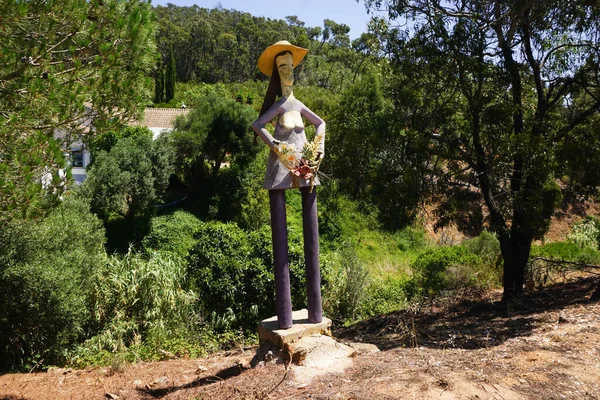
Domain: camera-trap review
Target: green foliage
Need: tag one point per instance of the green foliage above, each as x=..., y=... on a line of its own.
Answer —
x=411, y=238
x=586, y=233
x=44, y=276
x=341, y=217
x=107, y=140
x=136, y=300
x=495, y=125
x=221, y=45
x=173, y=233
x=233, y=274
x=375, y=161
x=577, y=156
x=170, y=77
x=125, y=185
x=389, y=294
x=231, y=270
x=254, y=206
x=443, y=268
x=487, y=247
x=567, y=251
x=214, y=136
x=25, y=160
x=56, y=57
x=159, y=82
x=347, y=287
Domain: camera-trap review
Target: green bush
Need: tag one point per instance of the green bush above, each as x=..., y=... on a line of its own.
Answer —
x=347, y=289
x=385, y=296
x=232, y=270
x=136, y=301
x=586, y=233
x=443, y=268
x=410, y=238
x=44, y=285
x=487, y=247
x=173, y=233
x=125, y=184
x=567, y=251
x=227, y=266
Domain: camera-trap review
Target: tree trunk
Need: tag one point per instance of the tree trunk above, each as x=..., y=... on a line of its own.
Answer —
x=515, y=248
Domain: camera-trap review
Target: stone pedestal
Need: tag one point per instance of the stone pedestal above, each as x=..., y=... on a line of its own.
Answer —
x=269, y=332
x=307, y=349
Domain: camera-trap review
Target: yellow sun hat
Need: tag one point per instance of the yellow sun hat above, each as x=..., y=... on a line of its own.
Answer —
x=267, y=58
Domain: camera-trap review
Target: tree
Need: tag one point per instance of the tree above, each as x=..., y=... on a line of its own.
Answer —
x=216, y=131
x=377, y=161
x=170, y=78
x=56, y=57
x=126, y=183
x=159, y=82
x=514, y=82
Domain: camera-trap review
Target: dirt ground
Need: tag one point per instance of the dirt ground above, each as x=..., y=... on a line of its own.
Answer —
x=544, y=345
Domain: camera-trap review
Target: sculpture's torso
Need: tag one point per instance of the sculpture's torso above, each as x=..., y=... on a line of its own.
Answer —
x=290, y=129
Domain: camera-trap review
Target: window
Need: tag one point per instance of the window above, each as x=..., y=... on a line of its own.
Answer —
x=77, y=158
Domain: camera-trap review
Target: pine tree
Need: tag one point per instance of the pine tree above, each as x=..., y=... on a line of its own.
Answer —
x=57, y=56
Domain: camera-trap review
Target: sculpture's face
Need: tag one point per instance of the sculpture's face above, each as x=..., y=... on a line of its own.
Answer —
x=285, y=66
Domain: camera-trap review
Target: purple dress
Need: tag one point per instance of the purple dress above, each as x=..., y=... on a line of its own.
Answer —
x=290, y=129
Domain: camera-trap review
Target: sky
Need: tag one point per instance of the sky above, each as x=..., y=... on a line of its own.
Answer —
x=311, y=12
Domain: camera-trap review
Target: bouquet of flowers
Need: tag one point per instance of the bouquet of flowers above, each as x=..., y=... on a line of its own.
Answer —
x=303, y=164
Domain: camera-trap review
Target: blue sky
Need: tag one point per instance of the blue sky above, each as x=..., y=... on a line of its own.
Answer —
x=312, y=12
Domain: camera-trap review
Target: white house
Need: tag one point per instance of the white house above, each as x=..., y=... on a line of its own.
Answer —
x=158, y=120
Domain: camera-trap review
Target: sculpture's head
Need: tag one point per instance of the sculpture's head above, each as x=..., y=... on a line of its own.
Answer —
x=281, y=56
x=278, y=61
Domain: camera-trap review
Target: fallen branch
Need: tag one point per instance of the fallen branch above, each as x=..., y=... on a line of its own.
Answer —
x=582, y=266
x=591, y=269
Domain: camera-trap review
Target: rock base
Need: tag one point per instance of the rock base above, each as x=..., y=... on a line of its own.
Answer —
x=306, y=348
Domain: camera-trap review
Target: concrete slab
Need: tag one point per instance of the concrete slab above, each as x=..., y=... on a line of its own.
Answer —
x=269, y=332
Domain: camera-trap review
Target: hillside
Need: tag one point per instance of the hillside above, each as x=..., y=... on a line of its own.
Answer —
x=546, y=345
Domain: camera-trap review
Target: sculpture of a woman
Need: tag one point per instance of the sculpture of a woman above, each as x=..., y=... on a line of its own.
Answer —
x=293, y=162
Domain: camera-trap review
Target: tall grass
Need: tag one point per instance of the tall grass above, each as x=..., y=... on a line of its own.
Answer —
x=135, y=300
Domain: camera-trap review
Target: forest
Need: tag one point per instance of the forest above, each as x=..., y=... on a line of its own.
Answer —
x=455, y=132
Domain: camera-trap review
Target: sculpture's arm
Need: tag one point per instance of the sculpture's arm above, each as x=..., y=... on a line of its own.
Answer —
x=262, y=121
x=318, y=123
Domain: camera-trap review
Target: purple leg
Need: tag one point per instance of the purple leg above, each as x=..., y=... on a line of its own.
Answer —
x=310, y=227
x=283, y=297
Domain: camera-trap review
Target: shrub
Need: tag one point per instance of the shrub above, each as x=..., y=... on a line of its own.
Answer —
x=444, y=268
x=411, y=239
x=347, y=288
x=487, y=247
x=232, y=270
x=125, y=184
x=173, y=233
x=228, y=268
x=137, y=301
x=586, y=233
x=385, y=296
x=567, y=251
x=43, y=285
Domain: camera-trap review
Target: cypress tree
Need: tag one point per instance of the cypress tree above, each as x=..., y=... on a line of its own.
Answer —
x=159, y=82
x=170, y=78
